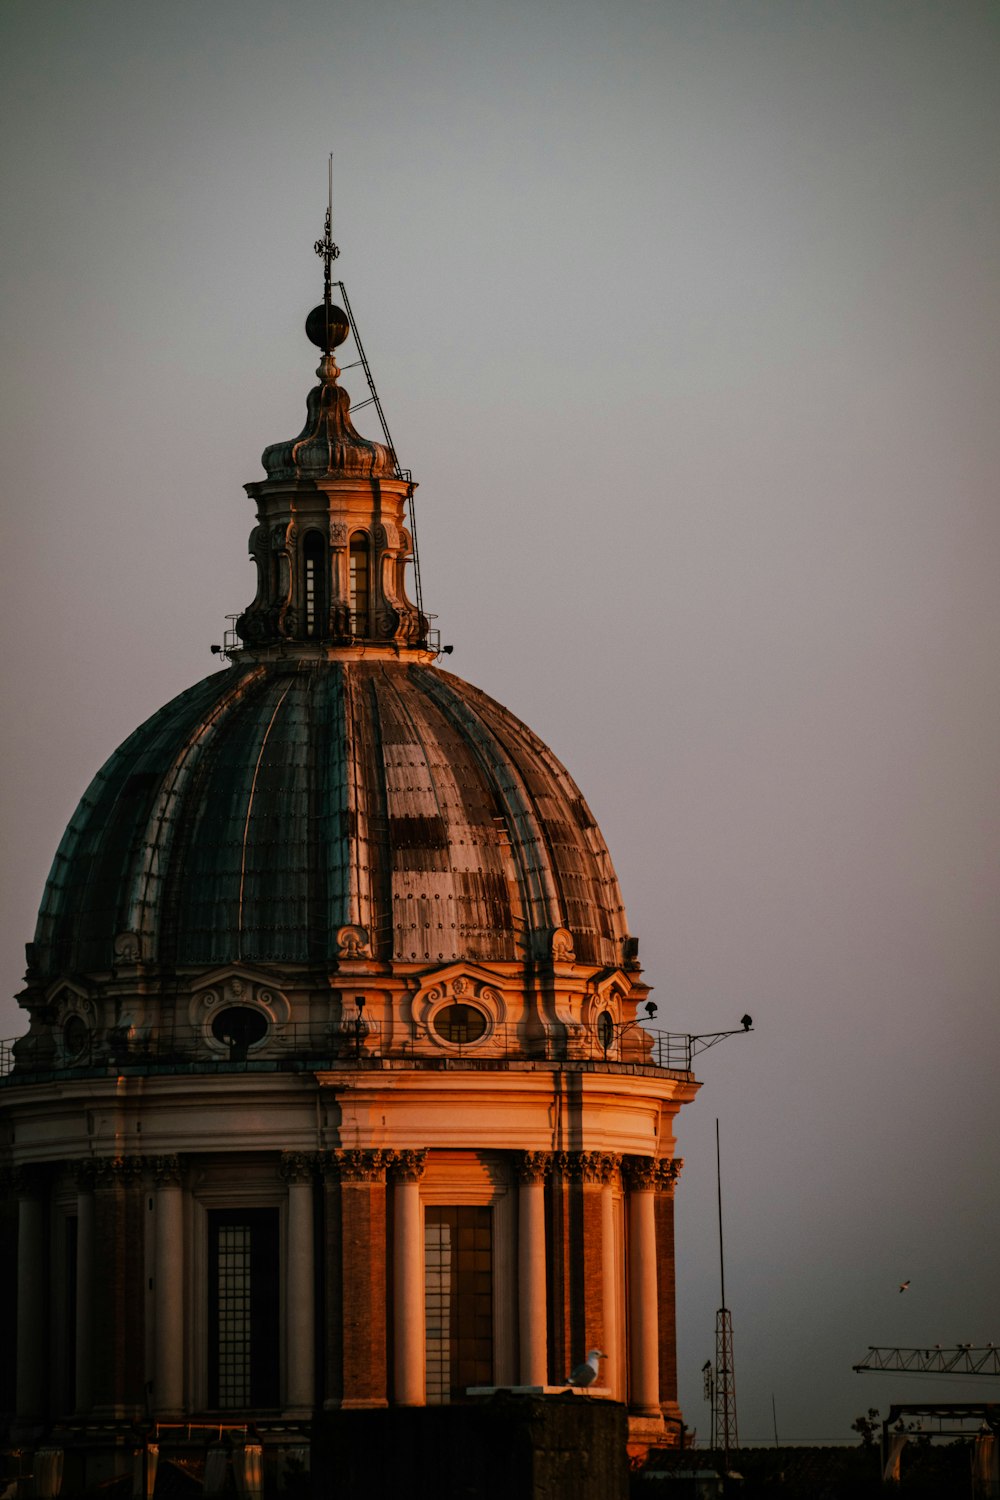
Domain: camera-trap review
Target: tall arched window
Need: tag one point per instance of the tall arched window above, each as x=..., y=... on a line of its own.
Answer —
x=313, y=551
x=360, y=585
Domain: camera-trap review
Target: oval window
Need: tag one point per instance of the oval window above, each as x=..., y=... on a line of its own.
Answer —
x=239, y=1028
x=460, y=1023
x=75, y=1036
x=605, y=1029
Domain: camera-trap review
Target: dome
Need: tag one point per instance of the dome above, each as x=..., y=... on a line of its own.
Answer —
x=284, y=812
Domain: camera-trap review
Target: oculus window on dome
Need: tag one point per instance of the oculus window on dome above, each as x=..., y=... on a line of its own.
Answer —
x=460, y=1024
x=239, y=1027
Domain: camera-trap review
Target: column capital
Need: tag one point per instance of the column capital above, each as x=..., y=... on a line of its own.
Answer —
x=117, y=1171
x=358, y=1165
x=599, y=1166
x=532, y=1166
x=297, y=1166
x=166, y=1170
x=407, y=1166
x=84, y=1173
x=587, y=1166
x=668, y=1171
x=27, y=1179
x=640, y=1173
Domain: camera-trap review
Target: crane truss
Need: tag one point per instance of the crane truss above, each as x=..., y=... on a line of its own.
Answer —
x=966, y=1359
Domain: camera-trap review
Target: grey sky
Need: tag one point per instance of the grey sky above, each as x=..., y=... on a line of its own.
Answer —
x=686, y=317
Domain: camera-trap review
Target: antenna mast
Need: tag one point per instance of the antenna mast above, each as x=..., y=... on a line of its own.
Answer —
x=725, y=1436
x=328, y=252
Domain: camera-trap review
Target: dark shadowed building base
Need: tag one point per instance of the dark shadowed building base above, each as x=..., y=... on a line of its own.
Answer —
x=504, y=1448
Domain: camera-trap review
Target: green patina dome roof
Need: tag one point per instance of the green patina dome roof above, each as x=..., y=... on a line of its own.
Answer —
x=272, y=805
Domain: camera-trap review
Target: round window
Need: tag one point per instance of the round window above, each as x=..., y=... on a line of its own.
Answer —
x=75, y=1036
x=239, y=1028
x=460, y=1023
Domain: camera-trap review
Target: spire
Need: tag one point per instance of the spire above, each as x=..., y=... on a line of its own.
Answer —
x=331, y=544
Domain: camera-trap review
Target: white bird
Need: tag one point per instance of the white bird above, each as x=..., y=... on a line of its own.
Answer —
x=586, y=1374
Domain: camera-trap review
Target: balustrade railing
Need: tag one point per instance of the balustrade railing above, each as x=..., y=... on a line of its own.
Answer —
x=358, y=1042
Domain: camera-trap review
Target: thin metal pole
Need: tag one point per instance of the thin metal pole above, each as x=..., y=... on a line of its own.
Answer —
x=718, y=1184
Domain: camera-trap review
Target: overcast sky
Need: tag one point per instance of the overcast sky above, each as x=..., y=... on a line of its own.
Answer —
x=685, y=316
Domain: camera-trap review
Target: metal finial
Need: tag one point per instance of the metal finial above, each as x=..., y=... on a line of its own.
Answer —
x=325, y=248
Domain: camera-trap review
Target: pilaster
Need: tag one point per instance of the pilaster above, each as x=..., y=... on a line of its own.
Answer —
x=118, y=1376
x=356, y=1259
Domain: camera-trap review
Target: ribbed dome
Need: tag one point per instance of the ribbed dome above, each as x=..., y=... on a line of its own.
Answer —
x=272, y=805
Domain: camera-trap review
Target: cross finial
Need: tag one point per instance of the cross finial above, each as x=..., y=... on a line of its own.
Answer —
x=325, y=248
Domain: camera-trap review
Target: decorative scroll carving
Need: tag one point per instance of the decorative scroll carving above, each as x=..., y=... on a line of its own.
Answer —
x=297, y=1166
x=532, y=1166
x=128, y=948
x=563, y=951
x=359, y=1166
x=353, y=942
x=407, y=1166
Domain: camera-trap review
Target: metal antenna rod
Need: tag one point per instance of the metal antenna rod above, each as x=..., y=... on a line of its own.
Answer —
x=718, y=1184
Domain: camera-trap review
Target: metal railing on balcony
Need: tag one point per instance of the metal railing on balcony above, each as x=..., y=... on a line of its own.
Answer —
x=352, y=1042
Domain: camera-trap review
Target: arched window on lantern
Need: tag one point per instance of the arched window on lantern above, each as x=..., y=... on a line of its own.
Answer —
x=360, y=584
x=313, y=554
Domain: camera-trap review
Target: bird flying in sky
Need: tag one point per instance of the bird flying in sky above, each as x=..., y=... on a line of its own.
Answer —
x=903, y=1285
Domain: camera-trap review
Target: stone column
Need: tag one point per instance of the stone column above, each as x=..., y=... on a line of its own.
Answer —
x=409, y=1353
x=83, y=1171
x=168, y=1288
x=667, y=1173
x=644, y=1393
x=611, y=1372
x=300, y=1318
x=32, y=1302
x=356, y=1269
x=532, y=1306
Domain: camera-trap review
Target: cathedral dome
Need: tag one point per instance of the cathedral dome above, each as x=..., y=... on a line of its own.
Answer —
x=293, y=811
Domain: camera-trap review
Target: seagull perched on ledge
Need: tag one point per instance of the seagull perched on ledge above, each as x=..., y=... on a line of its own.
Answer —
x=586, y=1374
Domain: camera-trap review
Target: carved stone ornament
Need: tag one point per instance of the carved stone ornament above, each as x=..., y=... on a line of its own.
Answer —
x=338, y=534
x=359, y=1166
x=600, y=1166
x=563, y=951
x=84, y=1173
x=27, y=1180
x=353, y=942
x=166, y=1170
x=640, y=1173
x=297, y=1166
x=586, y=1166
x=668, y=1171
x=118, y=1171
x=532, y=1166
x=407, y=1166
x=128, y=948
